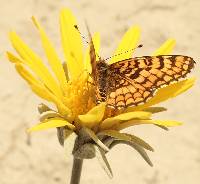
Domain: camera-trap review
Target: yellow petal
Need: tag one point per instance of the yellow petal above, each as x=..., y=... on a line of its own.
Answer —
x=62, y=109
x=41, y=90
x=35, y=63
x=51, y=54
x=166, y=93
x=71, y=43
x=51, y=123
x=94, y=116
x=27, y=75
x=127, y=45
x=47, y=95
x=151, y=109
x=166, y=48
x=35, y=84
x=187, y=85
x=12, y=58
x=127, y=137
x=109, y=122
x=96, y=42
x=133, y=115
x=166, y=123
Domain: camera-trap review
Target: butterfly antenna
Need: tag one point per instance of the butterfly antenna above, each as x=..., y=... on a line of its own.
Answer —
x=84, y=38
x=139, y=46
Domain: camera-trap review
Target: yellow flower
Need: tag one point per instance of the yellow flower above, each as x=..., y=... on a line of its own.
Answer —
x=67, y=87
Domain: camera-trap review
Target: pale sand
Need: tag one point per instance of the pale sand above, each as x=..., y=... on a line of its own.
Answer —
x=177, y=152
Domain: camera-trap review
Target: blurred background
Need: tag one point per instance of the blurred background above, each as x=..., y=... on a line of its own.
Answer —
x=40, y=159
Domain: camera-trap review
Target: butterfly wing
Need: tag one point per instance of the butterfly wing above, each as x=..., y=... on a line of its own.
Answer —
x=133, y=81
x=123, y=93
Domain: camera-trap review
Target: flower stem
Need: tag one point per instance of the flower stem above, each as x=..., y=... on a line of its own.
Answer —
x=76, y=171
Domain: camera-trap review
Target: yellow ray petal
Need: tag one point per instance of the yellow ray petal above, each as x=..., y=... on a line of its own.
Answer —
x=187, y=85
x=150, y=109
x=72, y=43
x=62, y=109
x=96, y=42
x=127, y=137
x=166, y=93
x=94, y=116
x=133, y=115
x=109, y=122
x=35, y=63
x=35, y=84
x=29, y=77
x=51, y=123
x=40, y=90
x=51, y=54
x=167, y=123
x=129, y=41
x=47, y=95
x=12, y=58
x=166, y=48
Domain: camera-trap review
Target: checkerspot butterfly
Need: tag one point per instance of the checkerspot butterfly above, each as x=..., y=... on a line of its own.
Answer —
x=133, y=81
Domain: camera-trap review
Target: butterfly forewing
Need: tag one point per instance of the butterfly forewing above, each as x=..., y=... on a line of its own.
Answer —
x=133, y=81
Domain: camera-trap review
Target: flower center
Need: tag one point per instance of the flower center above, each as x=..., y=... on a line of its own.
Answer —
x=79, y=95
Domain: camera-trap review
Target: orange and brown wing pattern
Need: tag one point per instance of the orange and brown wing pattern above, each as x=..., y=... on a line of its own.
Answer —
x=123, y=93
x=133, y=81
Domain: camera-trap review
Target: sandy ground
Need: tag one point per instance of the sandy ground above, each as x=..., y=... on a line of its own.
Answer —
x=177, y=152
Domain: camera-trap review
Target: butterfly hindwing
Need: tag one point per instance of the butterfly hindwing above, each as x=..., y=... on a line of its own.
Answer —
x=123, y=93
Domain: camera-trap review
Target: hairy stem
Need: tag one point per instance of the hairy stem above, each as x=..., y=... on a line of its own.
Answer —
x=76, y=171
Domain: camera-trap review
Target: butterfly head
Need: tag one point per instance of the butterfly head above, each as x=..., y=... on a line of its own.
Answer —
x=101, y=65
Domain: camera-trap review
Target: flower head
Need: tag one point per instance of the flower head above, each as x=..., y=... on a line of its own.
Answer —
x=68, y=86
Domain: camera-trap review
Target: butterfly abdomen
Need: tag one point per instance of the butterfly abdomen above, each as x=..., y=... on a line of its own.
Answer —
x=101, y=78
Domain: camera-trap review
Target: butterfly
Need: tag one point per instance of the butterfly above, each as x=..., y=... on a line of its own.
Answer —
x=133, y=81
